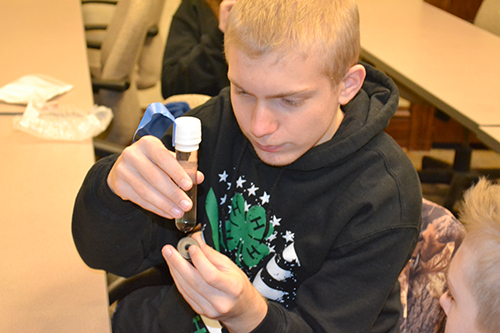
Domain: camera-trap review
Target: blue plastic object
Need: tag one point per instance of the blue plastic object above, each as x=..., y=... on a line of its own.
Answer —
x=158, y=118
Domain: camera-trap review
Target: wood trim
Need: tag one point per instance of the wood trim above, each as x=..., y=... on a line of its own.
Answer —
x=465, y=9
x=421, y=126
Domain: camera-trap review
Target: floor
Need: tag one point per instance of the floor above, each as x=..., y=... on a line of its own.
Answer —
x=481, y=158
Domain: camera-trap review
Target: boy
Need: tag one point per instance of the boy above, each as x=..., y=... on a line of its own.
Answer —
x=472, y=303
x=308, y=210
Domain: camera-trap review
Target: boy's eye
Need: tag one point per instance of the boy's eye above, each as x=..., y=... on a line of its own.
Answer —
x=291, y=102
x=240, y=92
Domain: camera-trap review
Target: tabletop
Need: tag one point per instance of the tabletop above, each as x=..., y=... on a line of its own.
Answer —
x=44, y=284
x=490, y=135
x=448, y=62
x=44, y=37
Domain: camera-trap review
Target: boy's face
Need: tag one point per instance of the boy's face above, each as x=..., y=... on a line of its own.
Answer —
x=458, y=303
x=284, y=108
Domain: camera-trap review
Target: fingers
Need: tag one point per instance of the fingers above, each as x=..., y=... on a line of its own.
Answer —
x=200, y=177
x=187, y=279
x=148, y=174
x=224, y=294
x=166, y=162
x=224, y=285
x=225, y=279
x=147, y=200
x=216, y=259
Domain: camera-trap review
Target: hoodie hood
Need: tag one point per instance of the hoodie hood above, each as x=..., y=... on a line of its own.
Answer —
x=365, y=116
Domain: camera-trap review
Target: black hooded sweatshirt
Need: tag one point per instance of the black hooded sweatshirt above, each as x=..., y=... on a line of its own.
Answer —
x=193, y=60
x=323, y=239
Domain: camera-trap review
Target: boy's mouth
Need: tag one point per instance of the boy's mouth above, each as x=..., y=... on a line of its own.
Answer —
x=267, y=148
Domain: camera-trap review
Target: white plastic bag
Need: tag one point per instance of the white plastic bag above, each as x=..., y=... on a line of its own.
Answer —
x=22, y=90
x=52, y=120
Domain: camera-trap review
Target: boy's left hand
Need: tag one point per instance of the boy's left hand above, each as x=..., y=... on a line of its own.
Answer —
x=216, y=287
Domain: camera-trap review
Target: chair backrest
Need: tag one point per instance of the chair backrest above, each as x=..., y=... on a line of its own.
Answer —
x=96, y=17
x=423, y=280
x=488, y=16
x=120, y=50
x=125, y=38
x=150, y=60
x=98, y=14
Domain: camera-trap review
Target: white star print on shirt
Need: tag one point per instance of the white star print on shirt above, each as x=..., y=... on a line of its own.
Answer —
x=275, y=221
x=252, y=190
x=240, y=182
x=289, y=236
x=223, y=199
x=265, y=198
x=223, y=176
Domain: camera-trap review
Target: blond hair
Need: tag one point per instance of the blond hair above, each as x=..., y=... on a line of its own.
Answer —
x=480, y=213
x=327, y=28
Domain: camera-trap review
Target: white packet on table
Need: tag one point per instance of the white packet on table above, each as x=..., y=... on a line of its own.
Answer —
x=22, y=90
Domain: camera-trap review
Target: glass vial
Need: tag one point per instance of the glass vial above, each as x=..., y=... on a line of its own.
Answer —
x=187, y=138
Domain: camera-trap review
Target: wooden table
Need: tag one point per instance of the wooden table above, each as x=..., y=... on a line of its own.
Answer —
x=44, y=284
x=446, y=61
x=44, y=37
x=490, y=136
x=437, y=60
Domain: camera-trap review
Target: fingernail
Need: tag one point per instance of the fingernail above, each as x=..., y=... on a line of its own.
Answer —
x=177, y=212
x=167, y=251
x=186, y=184
x=186, y=205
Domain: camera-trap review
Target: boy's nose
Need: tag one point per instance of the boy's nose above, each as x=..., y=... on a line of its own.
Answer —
x=263, y=121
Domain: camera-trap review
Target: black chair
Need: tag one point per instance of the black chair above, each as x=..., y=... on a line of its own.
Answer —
x=119, y=287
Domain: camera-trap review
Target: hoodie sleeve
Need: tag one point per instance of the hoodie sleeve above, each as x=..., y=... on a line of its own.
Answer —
x=193, y=61
x=115, y=235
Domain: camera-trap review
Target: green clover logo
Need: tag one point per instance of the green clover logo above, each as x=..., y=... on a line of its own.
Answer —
x=245, y=232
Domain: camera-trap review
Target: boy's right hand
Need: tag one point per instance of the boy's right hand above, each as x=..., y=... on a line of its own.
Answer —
x=148, y=174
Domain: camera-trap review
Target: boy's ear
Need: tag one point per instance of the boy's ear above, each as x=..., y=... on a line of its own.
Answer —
x=351, y=83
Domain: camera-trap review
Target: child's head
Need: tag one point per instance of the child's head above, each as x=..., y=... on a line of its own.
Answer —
x=292, y=64
x=329, y=28
x=473, y=303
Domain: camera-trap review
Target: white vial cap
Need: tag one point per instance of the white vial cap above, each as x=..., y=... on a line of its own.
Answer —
x=187, y=134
